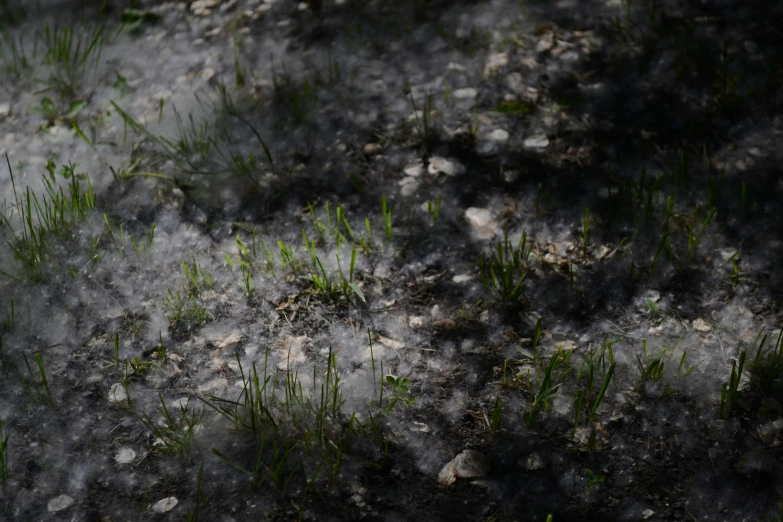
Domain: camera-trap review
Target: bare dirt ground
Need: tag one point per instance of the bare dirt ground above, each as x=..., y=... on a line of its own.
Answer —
x=408, y=260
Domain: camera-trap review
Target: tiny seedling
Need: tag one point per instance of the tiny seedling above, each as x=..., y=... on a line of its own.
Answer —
x=138, y=366
x=160, y=350
x=594, y=479
x=433, y=209
x=682, y=367
x=49, y=216
x=3, y=454
x=624, y=23
x=726, y=85
x=37, y=386
x=506, y=268
x=10, y=318
x=297, y=99
x=248, y=284
x=400, y=391
x=52, y=113
x=695, y=239
x=134, y=20
x=586, y=230
x=197, y=277
x=735, y=276
x=14, y=60
x=537, y=333
x=125, y=383
x=288, y=422
x=543, y=198
x=546, y=390
x=387, y=219
x=144, y=246
x=578, y=407
x=497, y=415
x=185, y=312
x=207, y=147
x=192, y=516
x=70, y=53
x=729, y=393
x=423, y=118
x=715, y=179
x=767, y=367
x=174, y=432
x=661, y=245
x=602, y=391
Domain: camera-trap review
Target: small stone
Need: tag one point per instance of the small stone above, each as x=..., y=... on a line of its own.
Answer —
x=484, y=317
x=382, y=271
x=480, y=219
x=414, y=170
x=439, y=164
x=499, y=135
x=378, y=352
x=416, y=322
x=114, y=313
x=5, y=110
x=495, y=62
x=445, y=324
x=125, y=456
x=647, y=513
x=468, y=464
x=292, y=351
x=211, y=33
x=164, y=505
x=219, y=383
x=570, y=56
x=207, y=74
x=462, y=278
x=607, y=192
x=420, y=426
x=466, y=93
x=228, y=6
x=514, y=82
x=545, y=43
x=560, y=48
x=530, y=63
x=408, y=186
x=727, y=253
x=701, y=325
x=534, y=462
x=537, y=142
x=373, y=149
x=117, y=393
x=59, y=503
x=231, y=340
x=262, y=9
x=510, y=176
x=391, y=343
x=202, y=7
